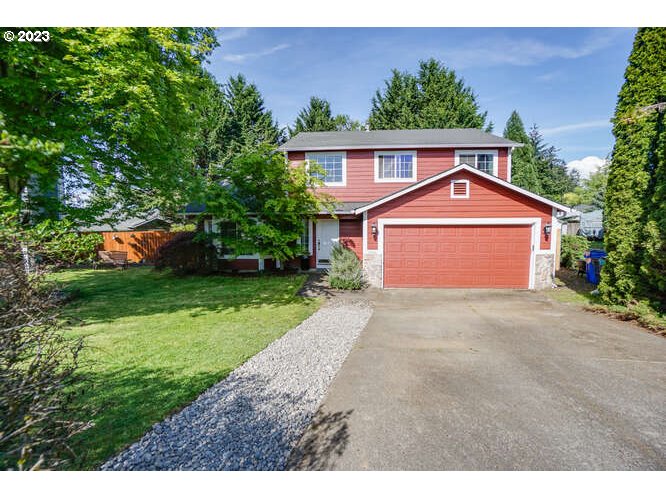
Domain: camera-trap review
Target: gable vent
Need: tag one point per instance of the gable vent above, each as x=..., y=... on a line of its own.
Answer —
x=460, y=189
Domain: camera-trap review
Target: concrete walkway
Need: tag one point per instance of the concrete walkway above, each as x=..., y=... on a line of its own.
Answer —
x=492, y=380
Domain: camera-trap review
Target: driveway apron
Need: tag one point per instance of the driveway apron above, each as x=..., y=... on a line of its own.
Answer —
x=492, y=380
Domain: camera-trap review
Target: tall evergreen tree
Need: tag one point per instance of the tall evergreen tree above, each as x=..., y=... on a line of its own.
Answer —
x=433, y=98
x=316, y=117
x=396, y=107
x=523, y=161
x=344, y=122
x=653, y=267
x=635, y=207
x=247, y=124
x=211, y=119
x=554, y=178
x=445, y=100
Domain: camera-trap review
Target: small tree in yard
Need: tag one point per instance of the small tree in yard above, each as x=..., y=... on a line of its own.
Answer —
x=267, y=200
x=346, y=271
x=37, y=364
x=60, y=246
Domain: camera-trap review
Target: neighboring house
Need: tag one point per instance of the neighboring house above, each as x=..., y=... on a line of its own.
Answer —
x=584, y=220
x=592, y=224
x=430, y=208
x=139, y=236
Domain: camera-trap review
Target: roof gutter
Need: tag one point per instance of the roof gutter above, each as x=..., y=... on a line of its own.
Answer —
x=390, y=146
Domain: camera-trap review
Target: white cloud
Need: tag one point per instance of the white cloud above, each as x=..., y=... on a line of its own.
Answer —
x=526, y=51
x=549, y=76
x=240, y=58
x=227, y=34
x=576, y=126
x=587, y=165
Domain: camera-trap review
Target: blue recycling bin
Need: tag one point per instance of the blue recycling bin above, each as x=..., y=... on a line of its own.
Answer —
x=594, y=260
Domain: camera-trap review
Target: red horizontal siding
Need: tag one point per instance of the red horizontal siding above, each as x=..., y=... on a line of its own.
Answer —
x=486, y=200
x=351, y=235
x=239, y=264
x=502, y=163
x=361, y=185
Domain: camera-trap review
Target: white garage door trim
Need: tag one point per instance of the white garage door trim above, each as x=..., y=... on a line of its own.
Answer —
x=534, y=222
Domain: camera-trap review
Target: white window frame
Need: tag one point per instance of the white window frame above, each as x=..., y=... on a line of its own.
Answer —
x=344, y=165
x=466, y=195
x=395, y=153
x=494, y=152
x=212, y=225
x=308, y=225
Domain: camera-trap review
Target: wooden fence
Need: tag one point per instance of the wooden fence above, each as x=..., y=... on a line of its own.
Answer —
x=140, y=245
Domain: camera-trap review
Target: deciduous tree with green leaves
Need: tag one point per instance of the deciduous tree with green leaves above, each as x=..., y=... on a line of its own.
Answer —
x=523, y=160
x=635, y=208
x=267, y=199
x=433, y=98
x=108, y=110
x=591, y=192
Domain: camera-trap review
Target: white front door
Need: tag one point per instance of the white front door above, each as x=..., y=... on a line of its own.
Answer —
x=328, y=234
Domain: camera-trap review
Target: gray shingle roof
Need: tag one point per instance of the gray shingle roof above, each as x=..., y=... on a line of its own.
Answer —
x=348, y=206
x=152, y=220
x=374, y=139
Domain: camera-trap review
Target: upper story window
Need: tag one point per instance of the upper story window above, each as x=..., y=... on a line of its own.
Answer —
x=335, y=165
x=484, y=160
x=395, y=166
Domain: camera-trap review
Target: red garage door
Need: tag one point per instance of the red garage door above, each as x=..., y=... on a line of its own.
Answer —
x=468, y=256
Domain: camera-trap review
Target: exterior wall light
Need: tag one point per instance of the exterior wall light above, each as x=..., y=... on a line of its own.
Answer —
x=546, y=229
x=374, y=229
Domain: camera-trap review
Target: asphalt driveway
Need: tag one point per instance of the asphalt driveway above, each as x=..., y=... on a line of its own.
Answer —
x=492, y=380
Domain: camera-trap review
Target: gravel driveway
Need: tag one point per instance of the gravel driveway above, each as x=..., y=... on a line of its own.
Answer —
x=252, y=419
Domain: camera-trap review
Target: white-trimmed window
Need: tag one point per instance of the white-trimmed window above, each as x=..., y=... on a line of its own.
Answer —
x=459, y=189
x=395, y=166
x=304, y=240
x=335, y=165
x=484, y=160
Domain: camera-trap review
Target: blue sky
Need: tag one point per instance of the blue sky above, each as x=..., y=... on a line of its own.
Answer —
x=564, y=79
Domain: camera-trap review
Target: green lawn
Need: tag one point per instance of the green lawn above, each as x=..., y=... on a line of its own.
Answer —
x=153, y=342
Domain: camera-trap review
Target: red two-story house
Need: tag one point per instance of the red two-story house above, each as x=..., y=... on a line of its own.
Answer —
x=430, y=208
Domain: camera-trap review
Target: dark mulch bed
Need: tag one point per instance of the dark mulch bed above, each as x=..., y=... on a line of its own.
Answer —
x=573, y=281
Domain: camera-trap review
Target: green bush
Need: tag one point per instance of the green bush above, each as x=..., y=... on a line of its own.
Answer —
x=187, y=253
x=346, y=271
x=573, y=248
x=58, y=244
x=183, y=227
